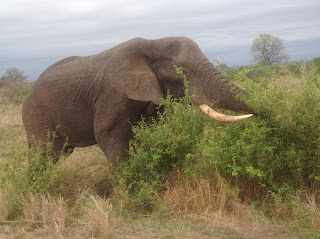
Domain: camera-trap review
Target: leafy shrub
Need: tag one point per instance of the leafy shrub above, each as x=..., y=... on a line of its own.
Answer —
x=316, y=65
x=41, y=166
x=277, y=151
x=158, y=147
x=27, y=171
x=295, y=69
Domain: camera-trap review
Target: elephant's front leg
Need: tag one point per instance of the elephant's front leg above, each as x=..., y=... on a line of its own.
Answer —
x=114, y=142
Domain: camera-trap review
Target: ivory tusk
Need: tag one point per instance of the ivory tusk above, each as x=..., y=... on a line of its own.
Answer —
x=221, y=117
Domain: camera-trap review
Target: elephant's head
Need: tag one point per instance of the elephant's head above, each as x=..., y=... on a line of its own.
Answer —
x=144, y=70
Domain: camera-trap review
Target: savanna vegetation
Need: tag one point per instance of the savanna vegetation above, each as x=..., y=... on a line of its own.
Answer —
x=13, y=87
x=187, y=176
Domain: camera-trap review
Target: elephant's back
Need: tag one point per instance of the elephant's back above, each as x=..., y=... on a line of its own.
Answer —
x=62, y=95
x=64, y=69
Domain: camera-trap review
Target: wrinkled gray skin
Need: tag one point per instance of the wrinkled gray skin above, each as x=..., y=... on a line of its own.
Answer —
x=95, y=99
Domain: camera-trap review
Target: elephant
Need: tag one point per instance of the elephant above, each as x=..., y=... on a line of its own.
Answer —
x=96, y=99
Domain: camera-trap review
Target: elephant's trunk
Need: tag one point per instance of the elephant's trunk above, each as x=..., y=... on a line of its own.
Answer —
x=220, y=93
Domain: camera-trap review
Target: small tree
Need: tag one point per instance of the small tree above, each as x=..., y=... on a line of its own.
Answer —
x=15, y=74
x=12, y=84
x=268, y=50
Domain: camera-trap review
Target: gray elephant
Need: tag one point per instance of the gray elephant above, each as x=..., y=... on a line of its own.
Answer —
x=96, y=99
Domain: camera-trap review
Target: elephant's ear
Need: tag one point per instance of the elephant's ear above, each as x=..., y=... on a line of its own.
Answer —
x=133, y=76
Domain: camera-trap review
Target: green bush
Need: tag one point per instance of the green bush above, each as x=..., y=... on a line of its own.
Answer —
x=295, y=69
x=41, y=167
x=159, y=146
x=316, y=65
x=277, y=151
x=27, y=171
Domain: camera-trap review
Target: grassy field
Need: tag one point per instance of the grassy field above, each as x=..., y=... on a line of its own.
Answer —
x=211, y=203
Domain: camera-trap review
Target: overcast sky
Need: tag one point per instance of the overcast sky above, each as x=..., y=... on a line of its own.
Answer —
x=36, y=33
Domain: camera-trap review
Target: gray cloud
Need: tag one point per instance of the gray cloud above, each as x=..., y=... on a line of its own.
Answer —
x=36, y=33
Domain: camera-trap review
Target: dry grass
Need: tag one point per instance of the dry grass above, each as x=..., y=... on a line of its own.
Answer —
x=213, y=202
x=46, y=211
x=312, y=207
x=98, y=219
x=5, y=204
x=11, y=127
x=210, y=197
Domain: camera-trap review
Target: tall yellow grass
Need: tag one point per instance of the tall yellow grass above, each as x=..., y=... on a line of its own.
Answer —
x=46, y=211
x=212, y=197
x=97, y=217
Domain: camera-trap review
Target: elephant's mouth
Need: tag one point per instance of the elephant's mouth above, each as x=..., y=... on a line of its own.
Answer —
x=221, y=117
